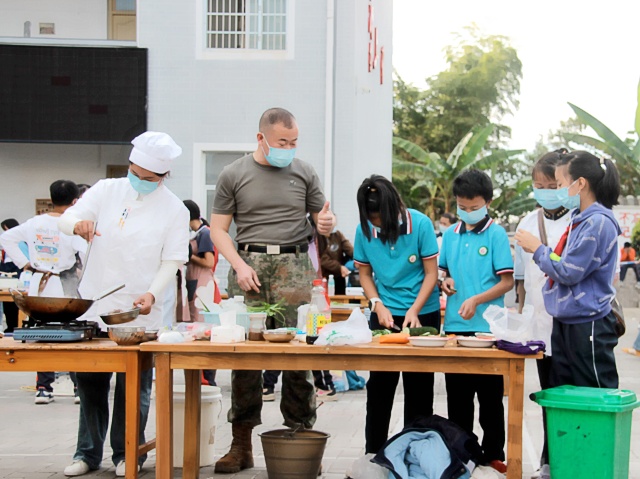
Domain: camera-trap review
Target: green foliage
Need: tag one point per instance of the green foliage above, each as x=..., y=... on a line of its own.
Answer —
x=275, y=311
x=625, y=153
x=479, y=87
x=635, y=236
x=428, y=178
x=454, y=125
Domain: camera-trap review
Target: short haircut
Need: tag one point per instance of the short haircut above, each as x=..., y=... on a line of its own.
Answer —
x=377, y=195
x=627, y=244
x=472, y=183
x=194, y=209
x=63, y=192
x=450, y=216
x=9, y=223
x=601, y=174
x=273, y=116
x=83, y=187
x=547, y=163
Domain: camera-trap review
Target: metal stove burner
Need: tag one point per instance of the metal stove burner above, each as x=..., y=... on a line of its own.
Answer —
x=56, y=332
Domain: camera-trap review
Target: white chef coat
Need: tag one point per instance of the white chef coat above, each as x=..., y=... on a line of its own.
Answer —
x=138, y=232
x=534, y=278
x=50, y=250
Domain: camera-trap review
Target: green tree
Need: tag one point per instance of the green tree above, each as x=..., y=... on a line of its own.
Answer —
x=480, y=86
x=626, y=153
x=427, y=177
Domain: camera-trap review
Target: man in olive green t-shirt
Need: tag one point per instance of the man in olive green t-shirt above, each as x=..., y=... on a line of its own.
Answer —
x=269, y=194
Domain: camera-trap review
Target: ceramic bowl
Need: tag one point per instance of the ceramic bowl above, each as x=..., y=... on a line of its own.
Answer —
x=471, y=342
x=429, y=341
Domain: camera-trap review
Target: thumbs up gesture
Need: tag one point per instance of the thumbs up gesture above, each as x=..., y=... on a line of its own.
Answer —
x=325, y=220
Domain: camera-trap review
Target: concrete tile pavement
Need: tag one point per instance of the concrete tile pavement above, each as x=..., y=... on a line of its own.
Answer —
x=37, y=442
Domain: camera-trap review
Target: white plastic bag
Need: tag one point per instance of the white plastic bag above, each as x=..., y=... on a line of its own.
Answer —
x=354, y=330
x=363, y=468
x=508, y=325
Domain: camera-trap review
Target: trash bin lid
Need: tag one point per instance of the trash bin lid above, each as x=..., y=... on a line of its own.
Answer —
x=587, y=399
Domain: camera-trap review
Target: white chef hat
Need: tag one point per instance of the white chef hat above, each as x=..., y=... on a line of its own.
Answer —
x=154, y=151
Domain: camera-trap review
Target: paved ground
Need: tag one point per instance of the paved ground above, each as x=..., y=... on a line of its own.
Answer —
x=37, y=442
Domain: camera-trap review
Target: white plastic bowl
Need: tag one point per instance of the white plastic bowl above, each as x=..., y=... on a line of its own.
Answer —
x=471, y=342
x=428, y=341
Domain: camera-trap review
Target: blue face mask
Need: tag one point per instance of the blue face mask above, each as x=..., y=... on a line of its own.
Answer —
x=569, y=202
x=473, y=217
x=442, y=228
x=279, y=157
x=548, y=199
x=142, y=186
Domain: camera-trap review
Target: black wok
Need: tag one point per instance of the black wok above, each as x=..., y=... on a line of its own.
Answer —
x=55, y=310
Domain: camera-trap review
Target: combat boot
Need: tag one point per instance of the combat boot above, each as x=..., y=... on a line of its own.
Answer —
x=240, y=456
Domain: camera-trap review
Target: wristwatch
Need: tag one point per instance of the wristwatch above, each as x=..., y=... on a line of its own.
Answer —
x=373, y=302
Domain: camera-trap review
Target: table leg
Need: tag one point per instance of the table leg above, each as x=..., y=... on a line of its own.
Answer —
x=191, y=460
x=164, y=417
x=132, y=414
x=514, y=424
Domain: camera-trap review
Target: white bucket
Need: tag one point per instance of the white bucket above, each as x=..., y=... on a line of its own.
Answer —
x=211, y=405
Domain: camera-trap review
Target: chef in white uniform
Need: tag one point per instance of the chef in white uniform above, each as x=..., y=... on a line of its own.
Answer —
x=141, y=239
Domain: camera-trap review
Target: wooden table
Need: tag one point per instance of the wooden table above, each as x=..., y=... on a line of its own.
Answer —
x=5, y=297
x=197, y=355
x=94, y=356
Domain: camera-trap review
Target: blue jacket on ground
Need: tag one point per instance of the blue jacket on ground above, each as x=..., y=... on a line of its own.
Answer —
x=582, y=277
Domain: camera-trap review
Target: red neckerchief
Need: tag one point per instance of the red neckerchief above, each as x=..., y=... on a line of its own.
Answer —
x=562, y=242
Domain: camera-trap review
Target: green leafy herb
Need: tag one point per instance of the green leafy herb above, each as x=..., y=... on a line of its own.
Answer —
x=273, y=310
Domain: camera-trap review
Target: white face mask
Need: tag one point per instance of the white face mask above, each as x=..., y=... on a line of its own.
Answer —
x=442, y=228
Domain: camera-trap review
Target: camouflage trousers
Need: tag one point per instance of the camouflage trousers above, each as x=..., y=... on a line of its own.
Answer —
x=288, y=277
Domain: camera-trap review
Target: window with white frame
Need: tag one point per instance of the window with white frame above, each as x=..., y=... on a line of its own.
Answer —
x=246, y=24
x=215, y=161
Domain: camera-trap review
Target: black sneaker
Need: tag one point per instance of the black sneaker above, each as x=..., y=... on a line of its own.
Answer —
x=268, y=395
x=43, y=396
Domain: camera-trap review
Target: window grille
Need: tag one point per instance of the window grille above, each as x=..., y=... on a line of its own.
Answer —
x=247, y=24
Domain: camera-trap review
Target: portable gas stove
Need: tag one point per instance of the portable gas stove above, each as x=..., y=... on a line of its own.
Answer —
x=56, y=332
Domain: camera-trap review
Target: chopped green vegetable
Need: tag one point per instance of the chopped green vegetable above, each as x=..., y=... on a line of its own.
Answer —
x=422, y=331
x=380, y=332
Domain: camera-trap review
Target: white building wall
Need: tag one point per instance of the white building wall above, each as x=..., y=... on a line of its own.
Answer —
x=82, y=19
x=218, y=102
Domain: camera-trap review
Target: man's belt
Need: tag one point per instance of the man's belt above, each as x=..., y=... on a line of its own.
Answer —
x=274, y=248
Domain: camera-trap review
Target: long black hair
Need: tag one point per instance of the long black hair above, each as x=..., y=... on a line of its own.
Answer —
x=601, y=174
x=194, y=211
x=546, y=164
x=377, y=195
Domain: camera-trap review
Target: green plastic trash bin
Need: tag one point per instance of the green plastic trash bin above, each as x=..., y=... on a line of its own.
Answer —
x=589, y=431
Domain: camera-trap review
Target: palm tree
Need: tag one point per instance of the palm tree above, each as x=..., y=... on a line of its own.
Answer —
x=431, y=176
x=626, y=153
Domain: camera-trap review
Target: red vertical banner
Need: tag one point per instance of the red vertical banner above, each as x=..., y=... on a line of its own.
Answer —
x=381, y=65
x=375, y=47
x=370, y=21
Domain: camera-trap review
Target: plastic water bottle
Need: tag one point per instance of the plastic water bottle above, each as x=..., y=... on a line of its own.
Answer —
x=331, y=285
x=238, y=304
x=25, y=280
x=319, y=310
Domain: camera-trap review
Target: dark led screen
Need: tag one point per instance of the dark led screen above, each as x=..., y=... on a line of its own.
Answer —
x=61, y=94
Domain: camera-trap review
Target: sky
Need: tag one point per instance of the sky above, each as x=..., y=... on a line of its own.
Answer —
x=571, y=51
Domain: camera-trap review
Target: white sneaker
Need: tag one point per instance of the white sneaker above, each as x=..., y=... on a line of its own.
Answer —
x=78, y=468
x=120, y=469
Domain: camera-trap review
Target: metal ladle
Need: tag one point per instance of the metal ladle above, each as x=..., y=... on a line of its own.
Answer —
x=86, y=260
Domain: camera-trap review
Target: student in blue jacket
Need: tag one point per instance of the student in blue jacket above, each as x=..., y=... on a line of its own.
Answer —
x=399, y=246
x=581, y=269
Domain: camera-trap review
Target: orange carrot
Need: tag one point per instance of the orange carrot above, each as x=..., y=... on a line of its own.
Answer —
x=394, y=338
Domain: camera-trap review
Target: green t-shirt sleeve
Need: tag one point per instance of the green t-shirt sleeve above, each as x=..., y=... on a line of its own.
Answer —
x=224, y=202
